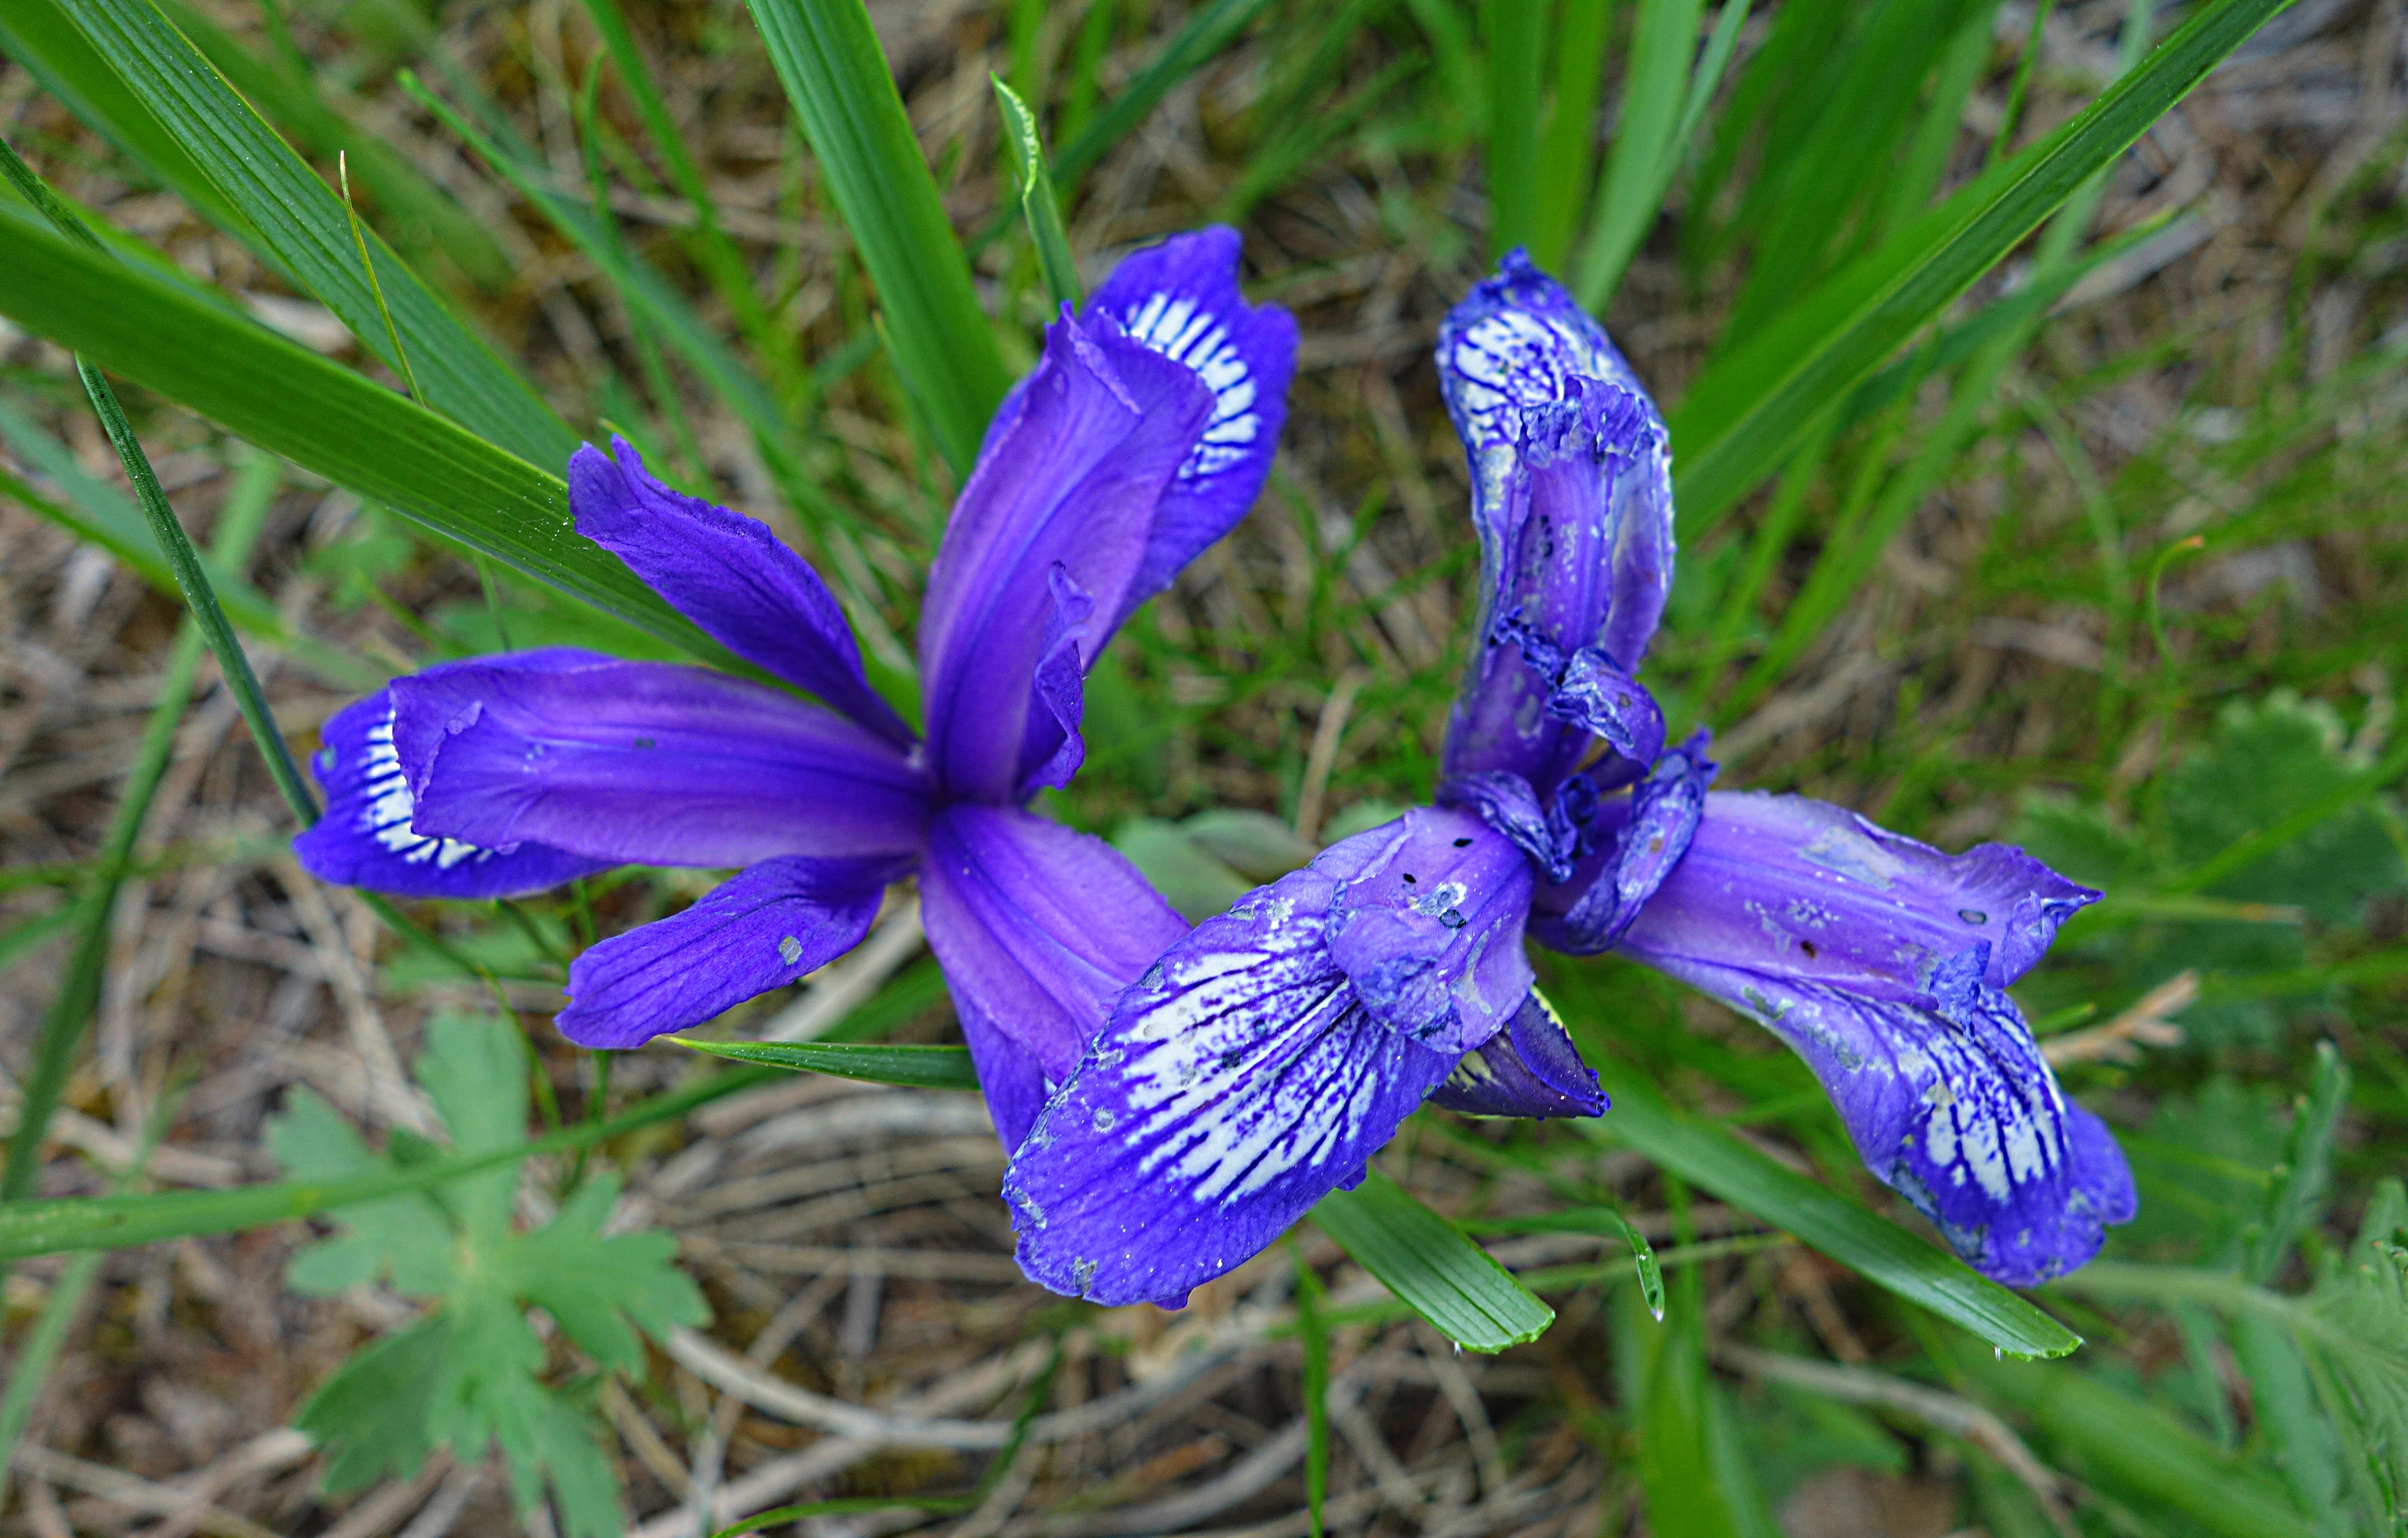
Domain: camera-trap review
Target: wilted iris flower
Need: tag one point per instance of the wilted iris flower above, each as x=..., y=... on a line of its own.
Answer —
x=1142, y=435
x=1269, y=1054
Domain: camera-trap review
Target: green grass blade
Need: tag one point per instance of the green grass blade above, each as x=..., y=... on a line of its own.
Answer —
x=1516, y=49
x=1567, y=145
x=1037, y=204
x=309, y=229
x=322, y=120
x=1876, y=1248
x=37, y=35
x=1638, y=165
x=872, y=1063
x=324, y=419
x=1750, y=408
x=844, y=96
x=1431, y=1265
x=117, y=1222
x=1204, y=34
x=1314, y=1330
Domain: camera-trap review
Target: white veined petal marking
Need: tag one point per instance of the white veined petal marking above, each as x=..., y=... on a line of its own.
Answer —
x=1182, y=331
x=390, y=804
x=1509, y=361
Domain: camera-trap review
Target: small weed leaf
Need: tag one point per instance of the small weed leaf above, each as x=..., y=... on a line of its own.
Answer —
x=471, y=1373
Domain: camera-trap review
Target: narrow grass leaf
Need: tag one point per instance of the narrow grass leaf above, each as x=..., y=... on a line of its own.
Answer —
x=1431, y=1265
x=844, y=96
x=2296, y=1199
x=309, y=229
x=1314, y=1331
x=1638, y=165
x=1202, y=37
x=1876, y=1248
x=1037, y=203
x=872, y=1063
x=116, y=1222
x=1750, y=408
x=1567, y=143
x=1517, y=49
x=324, y=419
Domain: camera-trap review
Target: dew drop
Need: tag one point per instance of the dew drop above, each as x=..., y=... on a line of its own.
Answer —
x=646, y=742
x=2000, y=1352
x=1458, y=1350
x=1656, y=1309
x=1973, y=916
x=790, y=950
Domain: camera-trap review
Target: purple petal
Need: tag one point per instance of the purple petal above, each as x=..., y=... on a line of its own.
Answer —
x=1950, y=1103
x=1642, y=839
x=770, y=926
x=1237, y=1083
x=1181, y=299
x=1531, y=1070
x=1801, y=889
x=1039, y=927
x=1511, y=808
x=1572, y=496
x=730, y=575
x=650, y=764
x=1425, y=917
x=1053, y=748
x=1074, y=466
x=365, y=838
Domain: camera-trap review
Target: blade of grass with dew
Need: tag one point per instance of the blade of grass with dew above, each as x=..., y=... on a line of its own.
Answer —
x=1662, y=47
x=1568, y=142
x=1745, y=413
x=321, y=118
x=79, y=994
x=326, y=419
x=309, y=229
x=1876, y=1248
x=67, y=1225
x=1037, y=204
x=101, y=516
x=1517, y=38
x=843, y=94
x=1431, y=1265
x=872, y=1063
x=1198, y=40
x=39, y=36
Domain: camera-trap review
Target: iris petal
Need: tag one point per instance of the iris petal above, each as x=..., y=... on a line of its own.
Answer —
x=766, y=928
x=1531, y=1069
x=1641, y=841
x=366, y=837
x=648, y=763
x=730, y=576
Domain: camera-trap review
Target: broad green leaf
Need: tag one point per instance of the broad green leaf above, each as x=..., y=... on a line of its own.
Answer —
x=324, y=419
x=1876, y=1248
x=307, y=226
x=918, y=1067
x=1037, y=203
x=1749, y=409
x=116, y=1222
x=1431, y=1265
x=828, y=59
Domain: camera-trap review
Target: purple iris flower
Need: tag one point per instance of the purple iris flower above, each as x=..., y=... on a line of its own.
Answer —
x=1143, y=434
x=1263, y=1060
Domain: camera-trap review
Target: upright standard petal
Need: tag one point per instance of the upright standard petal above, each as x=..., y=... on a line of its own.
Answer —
x=1181, y=299
x=1267, y=1056
x=730, y=575
x=1951, y=1104
x=772, y=925
x=1791, y=888
x=1072, y=471
x=1531, y=1069
x=367, y=838
x=1640, y=841
x=1039, y=927
x=1238, y=1082
x=1514, y=345
x=1557, y=640
x=650, y=763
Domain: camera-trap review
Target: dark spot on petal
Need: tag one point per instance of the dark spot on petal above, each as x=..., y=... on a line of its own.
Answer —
x=1973, y=916
x=645, y=742
x=1409, y=879
x=1655, y=844
x=1452, y=919
x=1231, y=1061
x=1808, y=946
x=1463, y=842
